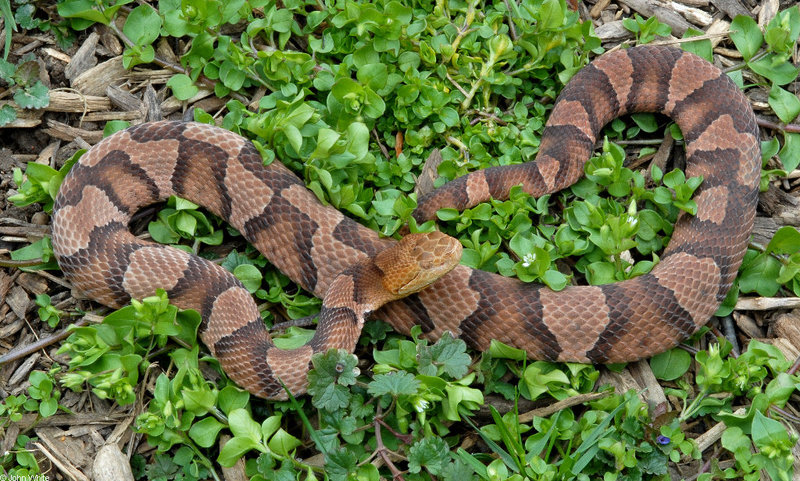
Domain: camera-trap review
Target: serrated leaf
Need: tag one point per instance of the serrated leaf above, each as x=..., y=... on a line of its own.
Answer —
x=448, y=353
x=35, y=97
x=339, y=463
x=431, y=453
x=332, y=371
x=395, y=383
x=7, y=115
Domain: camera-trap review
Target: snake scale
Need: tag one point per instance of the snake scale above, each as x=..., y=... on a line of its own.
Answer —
x=317, y=246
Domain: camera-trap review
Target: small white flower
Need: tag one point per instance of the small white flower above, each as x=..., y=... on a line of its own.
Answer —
x=528, y=259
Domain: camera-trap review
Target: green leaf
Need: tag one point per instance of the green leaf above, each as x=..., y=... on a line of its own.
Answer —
x=7, y=115
x=242, y=425
x=780, y=389
x=551, y=14
x=785, y=104
x=294, y=136
x=735, y=441
x=204, y=432
x=35, y=97
x=645, y=121
x=232, y=75
x=701, y=48
x=746, y=36
x=786, y=241
x=448, y=353
x=48, y=407
x=182, y=86
x=766, y=432
x=143, y=25
x=113, y=126
x=231, y=398
x=759, y=275
x=373, y=75
x=333, y=371
x=283, y=443
x=430, y=452
x=234, y=449
x=395, y=383
x=790, y=153
x=7, y=71
x=449, y=116
x=555, y=280
x=670, y=365
x=340, y=463
x=84, y=9
x=250, y=276
x=775, y=68
x=503, y=351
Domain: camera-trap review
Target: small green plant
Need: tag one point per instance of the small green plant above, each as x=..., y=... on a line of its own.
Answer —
x=23, y=80
x=19, y=461
x=40, y=183
x=109, y=358
x=770, y=63
x=43, y=390
x=47, y=312
x=41, y=401
x=646, y=30
x=181, y=219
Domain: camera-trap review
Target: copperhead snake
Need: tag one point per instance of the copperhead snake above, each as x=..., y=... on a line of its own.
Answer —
x=317, y=246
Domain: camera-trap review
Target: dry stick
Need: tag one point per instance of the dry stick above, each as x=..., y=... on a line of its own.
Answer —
x=383, y=148
x=792, y=370
x=742, y=65
x=20, y=263
x=511, y=29
x=382, y=450
x=564, y=403
x=766, y=303
x=406, y=438
x=29, y=349
x=768, y=124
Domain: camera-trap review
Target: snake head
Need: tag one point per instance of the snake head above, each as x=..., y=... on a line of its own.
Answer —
x=417, y=261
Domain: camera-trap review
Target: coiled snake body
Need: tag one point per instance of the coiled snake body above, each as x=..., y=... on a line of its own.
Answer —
x=317, y=246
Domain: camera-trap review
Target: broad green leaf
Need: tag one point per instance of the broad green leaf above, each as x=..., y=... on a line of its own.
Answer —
x=204, y=432
x=790, y=153
x=182, y=86
x=143, y=25
x=670, y=365
x=785, y=104
x=746, y=36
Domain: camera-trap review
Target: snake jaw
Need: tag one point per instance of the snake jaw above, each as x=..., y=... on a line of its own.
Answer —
x=417, y=261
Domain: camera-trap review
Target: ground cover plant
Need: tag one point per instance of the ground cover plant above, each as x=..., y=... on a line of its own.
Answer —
x=364, y=101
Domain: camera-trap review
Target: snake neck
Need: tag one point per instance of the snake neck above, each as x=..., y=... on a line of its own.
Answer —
x=352, y=297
